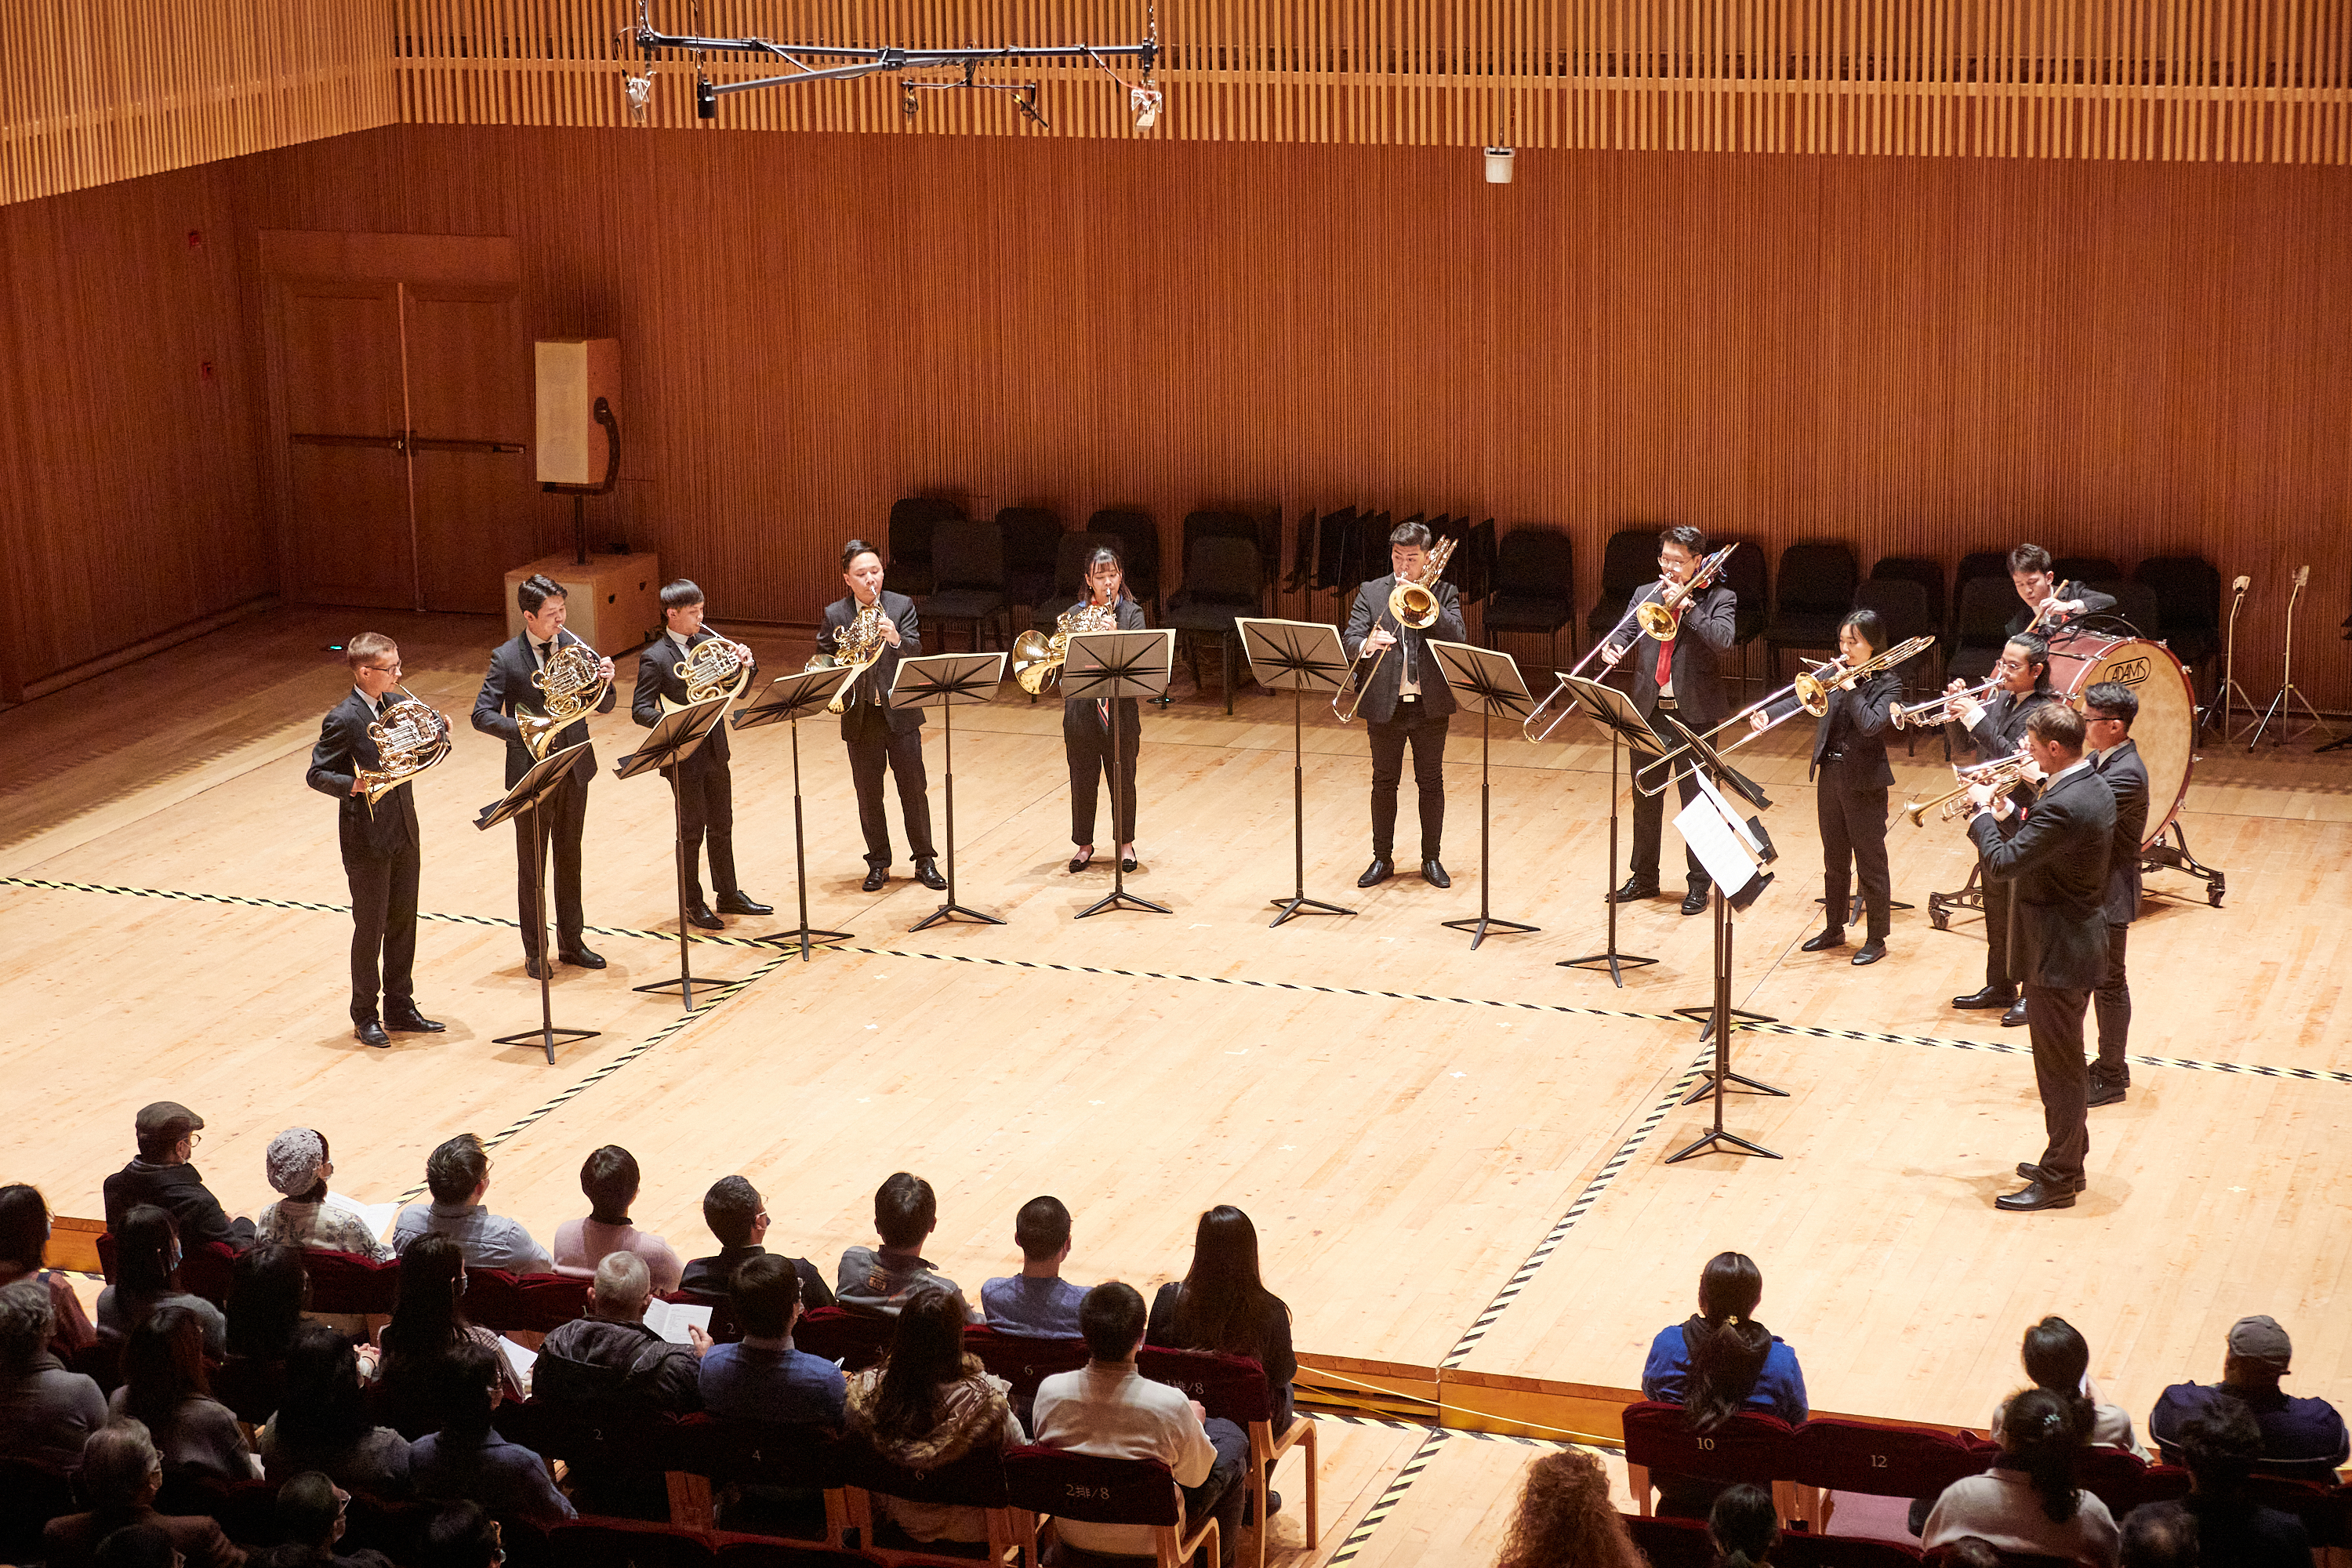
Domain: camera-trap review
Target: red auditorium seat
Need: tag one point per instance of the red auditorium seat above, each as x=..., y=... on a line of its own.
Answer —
x=1748, y=1447
x=1025, y=1360
x=591, y=1542
x=1806, y=1549
x=1235, y=1387
x=1047, y=1483
x=856, y=1340
x=1842, y=1455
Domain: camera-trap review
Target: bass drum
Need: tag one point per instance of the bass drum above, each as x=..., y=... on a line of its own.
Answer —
x=2166, y=730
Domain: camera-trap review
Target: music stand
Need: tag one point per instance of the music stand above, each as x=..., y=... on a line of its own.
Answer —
x=678, y=735
x=948, y=681
x=1296, y=657
x=1112, y=665
x=1714, y=832
x=1614, y=711
x=787, y=698
x=528, y=794
x=1484, y=682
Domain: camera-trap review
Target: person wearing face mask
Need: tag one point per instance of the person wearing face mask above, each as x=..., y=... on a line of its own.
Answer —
x=168, y=1133
x=147, y=1276
x=299, y=1168
x=879, y=736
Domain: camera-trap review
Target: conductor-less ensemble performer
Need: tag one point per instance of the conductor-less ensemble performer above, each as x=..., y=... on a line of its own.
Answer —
x=704, y=784
x=1679, y=675
x=874, y=629
x=1086, y=722
x=1849, y=762
x=1996, y=727
x=1405, y=702
x=2109, y=709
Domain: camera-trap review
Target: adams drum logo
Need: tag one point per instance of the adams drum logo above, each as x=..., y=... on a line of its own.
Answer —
x=2127, y=672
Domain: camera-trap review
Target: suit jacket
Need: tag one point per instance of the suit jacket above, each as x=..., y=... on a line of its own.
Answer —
x=2057, y=858
x=659, y=675
x=2127, y=776
x=2094, y=604
x=1082, y=708
x=1380, y=700
x=507, y=690
x=345, y=749
x=874, y=686
x=1855, y=726
x=71, y=1540
x=1710, y=623
x=2000, y=730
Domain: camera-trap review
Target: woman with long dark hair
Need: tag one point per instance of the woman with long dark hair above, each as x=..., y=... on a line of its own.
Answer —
x=2028, y=1502
x=322, y=1422
x=1221, y=1304
x=23, y=1237
x=428, y=1322
x=928, y=1404
x=1087, y=722
x=147, y=1276
x=1717, y=1362
x=267, y=1290
x=2058, y=1357
x=165, y=1385
x=1744, y=1526
x=1565, y=1519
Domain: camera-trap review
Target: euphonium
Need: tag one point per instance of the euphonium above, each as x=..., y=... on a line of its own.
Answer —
x=1037, y=659
x=857, y=646
x=712, y=669
x=409, y=738
x=1413, y=603
x=570, y=684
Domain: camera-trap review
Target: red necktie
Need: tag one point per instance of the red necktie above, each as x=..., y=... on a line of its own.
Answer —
x=1665, y=665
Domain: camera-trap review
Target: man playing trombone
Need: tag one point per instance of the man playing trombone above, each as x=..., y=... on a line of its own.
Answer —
x=703, y=784
x=1406, y=703
x=1677, y=676
x=1996, y=727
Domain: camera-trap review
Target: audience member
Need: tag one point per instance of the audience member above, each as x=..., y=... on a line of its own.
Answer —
x=733, y=1210
x=299, y=1168
x=428, y=1323
x=2058, y=1357
x=764, y=1378
x=609, y=1177
x=1108, y=1409
x=121, y=1473
x=1565, y=1520
x=460, y=1536
x=268, y=1292
x=147, y=1276
x=1037, y=1301
x=2301, y=1437
x=466, y=1460
x=929, y=1404
x=322, y=1422
x=1970, y=1552
x=1716, y=1363
x=1744, y=1525
x=609, y=1359
x=2165, y=1535
x=168, y=1388
x=2028, y=1502
x=2223, y=1444
x=1221, y=1305
x=168, y=1135
x=457, y=1174
x=46, y=1412
x=880, y=1279
x=23, y=1237
x=312, y=1512
x=136, y=1546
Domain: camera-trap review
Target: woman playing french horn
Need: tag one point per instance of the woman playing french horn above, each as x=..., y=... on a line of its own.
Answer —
x=1087, y=722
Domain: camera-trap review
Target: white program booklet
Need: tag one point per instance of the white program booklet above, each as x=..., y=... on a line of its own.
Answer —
x=519, y=1358
x=670, y=1320
x=377, y=1218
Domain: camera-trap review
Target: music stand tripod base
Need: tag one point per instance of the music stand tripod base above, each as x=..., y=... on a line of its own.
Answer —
x=549, y=1039
x=946, y=681
x=786, y=701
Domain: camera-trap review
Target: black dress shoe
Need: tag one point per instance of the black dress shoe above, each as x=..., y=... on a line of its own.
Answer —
x=739, y=902
x=409, y=1021
x=1126, y=862
x=1990, y=997
x=2105, y=1091
x=1695, y=901
x=1635, y=890
x=876, y=878
x=1870, y=951
x=1081, y=860
x=2035, y=1197
x=1833, y=937
x=581, y=957
x=1376, y=873
x=531, y=967
x=2015, y=1017
x=700, y=915
x=371, y=1034
x=1434, y=874
x=927, y=872
x=2033, y=1173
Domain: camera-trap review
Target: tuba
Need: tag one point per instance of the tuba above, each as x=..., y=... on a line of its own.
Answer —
x=1411, y=603
x=409, y=738
x=569, y=686
x=1037, y=661
x=859, y=644
x=712, y=669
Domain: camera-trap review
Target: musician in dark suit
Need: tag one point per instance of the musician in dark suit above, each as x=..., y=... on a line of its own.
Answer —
x=2056, y=856
x=2050, y=604
x=2108, y=712
x=1681, y=676
x=1996, y=728
x=1406, y=703
x=382, y=857
x=1852, y=778
x=1087, y=726
x=507, y=690
x=878, y=735
x=703, y=785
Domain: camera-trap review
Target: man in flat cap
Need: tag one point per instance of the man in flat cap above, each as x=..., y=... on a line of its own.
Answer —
x=168, y=1135
x=2304, y=1439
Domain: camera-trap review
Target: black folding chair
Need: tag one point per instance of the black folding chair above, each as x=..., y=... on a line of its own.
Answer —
x=1535, y=585
x=1139, y=549
x=1817, y=583
x=1224, y=577
x=1629, y=564
x=968, y=571
x=912, y=522
x=1928, y=574
x=1032, y=539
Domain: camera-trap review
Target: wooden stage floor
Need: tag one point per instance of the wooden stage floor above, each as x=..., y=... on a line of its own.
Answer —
x=1453, y=1158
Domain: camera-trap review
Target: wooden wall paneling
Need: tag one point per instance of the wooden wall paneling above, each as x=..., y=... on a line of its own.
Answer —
x=346, y=509
x=469, y=379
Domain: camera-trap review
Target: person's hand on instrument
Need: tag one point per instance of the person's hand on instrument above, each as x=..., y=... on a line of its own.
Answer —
x=1381, y=637
x=1969, y=711
x=1758, y=722
x=890, y=633
x=604, y=669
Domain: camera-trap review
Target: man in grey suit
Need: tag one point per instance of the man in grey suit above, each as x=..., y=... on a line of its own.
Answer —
x=2108, y=710
x=1406, y=703
x=2056, y=860
x=878, y=735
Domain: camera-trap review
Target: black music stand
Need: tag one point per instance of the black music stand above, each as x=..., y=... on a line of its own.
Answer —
x=678, y=734
x=1614, y=711
x=787, y=698
x=1484, y=682
x=1296, y=657
x=948, y=681
x=1112, y=665
x=1721, y=851
x=527, y=795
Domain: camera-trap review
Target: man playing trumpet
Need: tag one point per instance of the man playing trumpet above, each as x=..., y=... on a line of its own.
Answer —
x=704, y=785
x=1996, y=727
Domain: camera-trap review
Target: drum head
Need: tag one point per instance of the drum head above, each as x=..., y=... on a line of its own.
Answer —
x=2166, y=730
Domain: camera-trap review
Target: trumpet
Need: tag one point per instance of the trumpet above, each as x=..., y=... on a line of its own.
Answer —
x=713, y=670
x=2001, y=773
x=1037, y=659
x=571, y=683
x=860, y=644
x=409, y=738
x=1942, y=710
x=1411, y=603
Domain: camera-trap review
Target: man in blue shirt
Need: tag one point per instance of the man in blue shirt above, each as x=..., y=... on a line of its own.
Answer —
x=764, y=1378
x=1037, y=1301
x=2304, y=1439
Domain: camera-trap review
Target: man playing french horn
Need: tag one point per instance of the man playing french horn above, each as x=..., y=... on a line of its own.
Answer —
x=876, y=628
x=703, y=784
x=1405, y=701
x=523, y=679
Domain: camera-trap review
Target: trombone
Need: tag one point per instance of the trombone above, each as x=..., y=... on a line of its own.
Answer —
x=1411, y=603
x=1942, y=710
x=1812, y=688
x=2001, y=773
x=1660, y=619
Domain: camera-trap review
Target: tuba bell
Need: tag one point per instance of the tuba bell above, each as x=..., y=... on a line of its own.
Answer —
x=409, y=738
x=569, y=686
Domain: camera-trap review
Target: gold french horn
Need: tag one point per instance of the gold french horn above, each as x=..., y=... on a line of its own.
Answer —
x=859, y=645
x=409, y=738
x=570, y=685
x=712, y=669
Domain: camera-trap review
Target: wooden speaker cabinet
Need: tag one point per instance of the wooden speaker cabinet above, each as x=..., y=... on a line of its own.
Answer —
x=613, y=604
x=573, y=372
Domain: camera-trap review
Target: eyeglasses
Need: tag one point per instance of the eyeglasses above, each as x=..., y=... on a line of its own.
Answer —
x=392, y=669
x=195, y=1138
